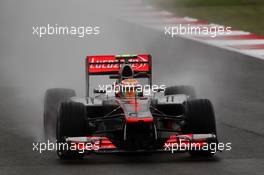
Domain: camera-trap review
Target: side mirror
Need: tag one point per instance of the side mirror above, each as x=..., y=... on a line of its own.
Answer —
x=160, y=90
x=99, y=91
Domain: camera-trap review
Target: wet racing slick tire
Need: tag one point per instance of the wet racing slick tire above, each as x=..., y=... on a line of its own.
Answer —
x=200, y=119
x=51, y=101
x=71, y=123
x=183, y=89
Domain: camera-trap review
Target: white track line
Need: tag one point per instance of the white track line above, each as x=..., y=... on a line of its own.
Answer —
x=236, y=42
x=254, y=51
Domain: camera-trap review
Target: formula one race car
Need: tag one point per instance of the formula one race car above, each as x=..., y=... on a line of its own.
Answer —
x=130, y=115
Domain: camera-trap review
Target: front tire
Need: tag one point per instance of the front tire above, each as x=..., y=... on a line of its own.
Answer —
x=71, y=123
x=200, y=119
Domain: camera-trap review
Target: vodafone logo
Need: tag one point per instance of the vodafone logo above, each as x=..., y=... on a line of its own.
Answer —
x=110, y=63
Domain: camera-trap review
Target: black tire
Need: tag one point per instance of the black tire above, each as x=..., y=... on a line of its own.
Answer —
x=70, y=123
x=187, y=90
x=200, y=119
x=51, y=101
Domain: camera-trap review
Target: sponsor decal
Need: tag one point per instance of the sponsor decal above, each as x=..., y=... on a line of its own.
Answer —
x=109, y=63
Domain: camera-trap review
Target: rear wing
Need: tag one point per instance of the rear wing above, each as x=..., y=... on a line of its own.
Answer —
x=111, y=64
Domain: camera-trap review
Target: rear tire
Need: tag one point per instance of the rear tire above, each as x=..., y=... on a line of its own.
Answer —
x=187, y=90
x=51, y=101
x=71, y=123
x=200, y=119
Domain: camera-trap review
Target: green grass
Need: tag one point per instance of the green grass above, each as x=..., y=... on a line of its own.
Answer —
x=246, y=15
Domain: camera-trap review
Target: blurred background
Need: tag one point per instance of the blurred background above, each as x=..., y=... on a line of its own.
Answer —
x=247, y=15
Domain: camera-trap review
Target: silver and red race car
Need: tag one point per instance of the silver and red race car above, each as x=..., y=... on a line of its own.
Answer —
x=130, y=115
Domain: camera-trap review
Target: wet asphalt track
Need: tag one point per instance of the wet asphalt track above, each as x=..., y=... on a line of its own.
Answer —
x=29, y=65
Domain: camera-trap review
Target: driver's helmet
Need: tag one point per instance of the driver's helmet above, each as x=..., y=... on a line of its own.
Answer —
x=129, y=88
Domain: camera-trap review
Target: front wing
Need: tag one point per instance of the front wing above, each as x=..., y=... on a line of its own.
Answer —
x=175, y=143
